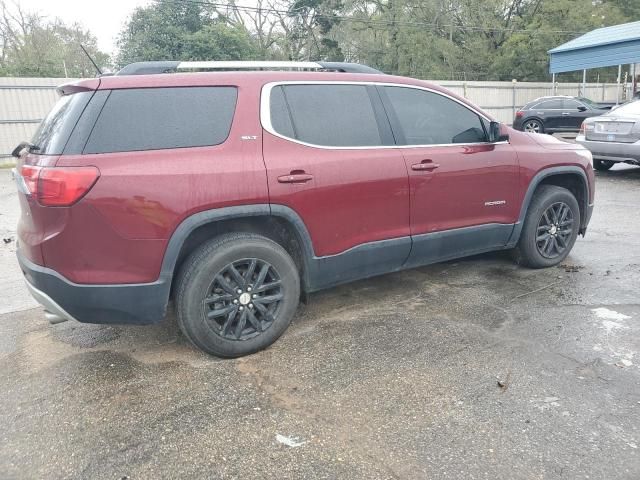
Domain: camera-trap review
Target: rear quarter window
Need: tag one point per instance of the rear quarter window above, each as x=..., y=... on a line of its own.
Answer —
x=161, y=118
x=54, y=131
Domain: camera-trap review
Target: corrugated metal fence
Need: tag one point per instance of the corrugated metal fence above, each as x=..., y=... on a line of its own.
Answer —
x=25, y=101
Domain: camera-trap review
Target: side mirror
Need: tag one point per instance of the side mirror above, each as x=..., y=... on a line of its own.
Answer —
x=495, y=135
x=582, y=108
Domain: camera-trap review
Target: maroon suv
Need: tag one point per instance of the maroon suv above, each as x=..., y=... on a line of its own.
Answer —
x=236, y=192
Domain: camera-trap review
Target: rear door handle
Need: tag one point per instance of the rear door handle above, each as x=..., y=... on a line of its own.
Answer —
x=425, y=165
x=295, y=176
x=566, y=113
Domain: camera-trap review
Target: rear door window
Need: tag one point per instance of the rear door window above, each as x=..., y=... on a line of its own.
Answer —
x=428, y=118
x=161, y=118
x=334, y=115
x=54, y=131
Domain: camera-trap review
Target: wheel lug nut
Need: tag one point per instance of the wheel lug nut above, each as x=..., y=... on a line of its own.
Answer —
x=251, y=305
x=241, y=308
x=239, y=291
x=235, y=300
x=255, y=296
x=248, y=289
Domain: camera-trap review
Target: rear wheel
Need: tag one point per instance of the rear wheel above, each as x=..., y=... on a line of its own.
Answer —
x=237, y=294
x=550, y=228
x=603, y=165
x=533, y=126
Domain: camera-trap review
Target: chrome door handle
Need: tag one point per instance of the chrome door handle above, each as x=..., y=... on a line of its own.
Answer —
x=295, y=177
x=566, y=113
x=425, y=165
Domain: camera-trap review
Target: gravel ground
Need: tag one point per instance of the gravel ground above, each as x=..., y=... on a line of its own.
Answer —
x=470, y=369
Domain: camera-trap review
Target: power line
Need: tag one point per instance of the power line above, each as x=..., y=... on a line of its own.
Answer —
x=381, y=23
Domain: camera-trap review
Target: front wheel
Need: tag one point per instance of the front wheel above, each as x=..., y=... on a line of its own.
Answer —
x=603, y=165
x=550, y=228
x=237, y=294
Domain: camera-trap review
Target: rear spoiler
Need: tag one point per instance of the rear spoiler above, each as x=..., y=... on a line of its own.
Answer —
x=81, y=86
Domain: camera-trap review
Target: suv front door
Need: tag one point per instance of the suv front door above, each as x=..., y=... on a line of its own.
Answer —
x=573, y=114
x=463, y=188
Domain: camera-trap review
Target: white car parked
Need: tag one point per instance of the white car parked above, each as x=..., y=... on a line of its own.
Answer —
x=613, y=137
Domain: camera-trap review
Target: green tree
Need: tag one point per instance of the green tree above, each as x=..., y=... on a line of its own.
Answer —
x=168, y=30
x=543, y=26
x=33, y=47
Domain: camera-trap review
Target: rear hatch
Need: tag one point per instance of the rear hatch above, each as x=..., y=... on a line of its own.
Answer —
x=43, y=190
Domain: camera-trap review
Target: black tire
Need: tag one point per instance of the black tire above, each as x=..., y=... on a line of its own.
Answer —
x=203, y=294
x=545, y=243
x=603, y=165
x=533, y=125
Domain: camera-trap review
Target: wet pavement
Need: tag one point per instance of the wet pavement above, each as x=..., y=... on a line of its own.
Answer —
x=470, y=369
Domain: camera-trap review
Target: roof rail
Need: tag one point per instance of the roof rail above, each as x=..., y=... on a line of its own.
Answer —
x=148, y=68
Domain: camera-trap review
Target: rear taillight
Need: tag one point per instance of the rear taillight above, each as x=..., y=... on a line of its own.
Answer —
x=59, y=186
x=519, y=114
x=30, y=176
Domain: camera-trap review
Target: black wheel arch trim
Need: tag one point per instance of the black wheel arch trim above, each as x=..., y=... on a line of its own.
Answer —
x=533, y=185
x=189, y=224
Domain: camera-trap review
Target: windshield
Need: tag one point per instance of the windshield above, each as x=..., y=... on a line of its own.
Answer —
x=632, y=108
x=588, y=102
x=55, y=129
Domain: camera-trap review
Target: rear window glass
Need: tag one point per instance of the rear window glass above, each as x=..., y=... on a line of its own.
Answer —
x=326, y=115
x=160, y=118
x=55, y=129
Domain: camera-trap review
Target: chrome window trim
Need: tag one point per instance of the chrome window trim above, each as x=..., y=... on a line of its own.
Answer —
x=265, y=113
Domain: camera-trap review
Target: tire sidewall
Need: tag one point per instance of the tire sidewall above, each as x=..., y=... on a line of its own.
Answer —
x=196, y=288
x=529, y=233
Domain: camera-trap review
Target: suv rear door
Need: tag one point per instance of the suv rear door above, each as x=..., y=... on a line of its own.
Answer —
x=457, y=179
x=330, y=157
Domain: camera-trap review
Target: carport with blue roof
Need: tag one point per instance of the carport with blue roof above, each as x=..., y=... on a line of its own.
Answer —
x=604, y=47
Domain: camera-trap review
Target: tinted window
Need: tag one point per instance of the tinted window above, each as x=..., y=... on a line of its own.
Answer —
x=54, y=131
x=549, y=105
x=156, y=118
x=428, y=118
x=280, y=117
x=328, y=115
x=571, y=105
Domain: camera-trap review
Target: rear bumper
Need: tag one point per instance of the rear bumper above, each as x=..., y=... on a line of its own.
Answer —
x=616, y=152
x=139, y=304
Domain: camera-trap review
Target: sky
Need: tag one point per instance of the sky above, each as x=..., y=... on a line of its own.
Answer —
x=104, y=18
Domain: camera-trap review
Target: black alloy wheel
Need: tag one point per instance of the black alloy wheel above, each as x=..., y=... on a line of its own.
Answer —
x=554, y=231
x=244, y=299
